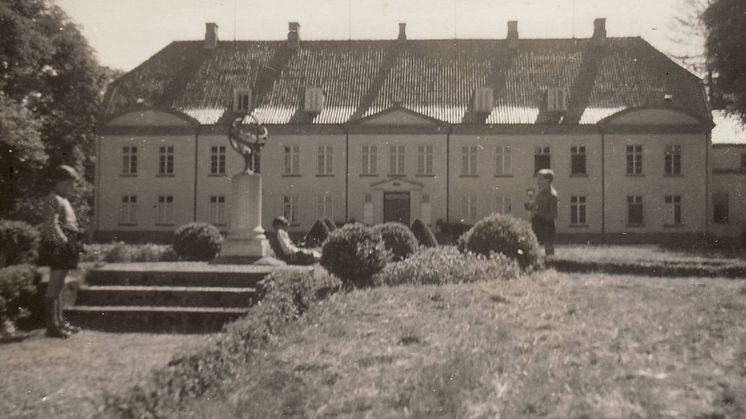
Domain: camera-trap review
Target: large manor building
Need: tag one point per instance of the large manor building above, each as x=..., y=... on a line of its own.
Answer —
x=447, y=131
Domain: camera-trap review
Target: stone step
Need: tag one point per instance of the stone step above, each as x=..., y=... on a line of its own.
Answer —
x=152, y=319
x=182, y=274
x=134, y=295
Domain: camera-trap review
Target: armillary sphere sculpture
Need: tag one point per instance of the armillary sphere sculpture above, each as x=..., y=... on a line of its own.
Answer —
x=247, y=136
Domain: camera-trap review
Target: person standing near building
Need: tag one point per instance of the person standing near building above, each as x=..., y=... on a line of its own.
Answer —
x=59, y=247
x=544, y=211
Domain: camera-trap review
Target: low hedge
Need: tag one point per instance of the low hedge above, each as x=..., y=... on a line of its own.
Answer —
x=446, y=265
x=19, y=243
x=289, y=293
x=18, y=291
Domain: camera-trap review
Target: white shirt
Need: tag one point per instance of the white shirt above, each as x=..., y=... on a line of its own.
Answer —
x=287, y=245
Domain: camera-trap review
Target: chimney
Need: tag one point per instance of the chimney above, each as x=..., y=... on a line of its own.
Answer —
x=512, y=34
x=293, y=35
x=402, y=31
x=599, y=31
x=211, y=35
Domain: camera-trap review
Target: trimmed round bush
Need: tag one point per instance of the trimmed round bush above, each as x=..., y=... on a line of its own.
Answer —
x=197, y=241
x=398, y=239
x=330, y=224
x=446, y=265
x=503, y=234
x=317, y=234
x=354, y=254
x=19, y=243
x=424, y=235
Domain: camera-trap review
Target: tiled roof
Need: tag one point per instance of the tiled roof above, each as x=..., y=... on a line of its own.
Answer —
x=729, y=129
x=434, y=77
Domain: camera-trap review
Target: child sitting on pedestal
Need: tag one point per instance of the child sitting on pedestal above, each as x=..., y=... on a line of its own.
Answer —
x=290, y=251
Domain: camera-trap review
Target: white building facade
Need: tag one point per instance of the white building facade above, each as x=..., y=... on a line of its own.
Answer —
x=444, y=131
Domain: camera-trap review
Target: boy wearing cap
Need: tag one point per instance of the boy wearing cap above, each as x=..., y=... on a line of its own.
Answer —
x=544, y=211
x=59, y=247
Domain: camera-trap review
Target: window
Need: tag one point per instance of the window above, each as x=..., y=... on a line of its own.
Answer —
x=314, y=100
x=165, y=209
x=425, y=209
x=469, y=209
x=634, y=210
x=503, y=161
x=367, y=209
x=129, y=160
x=484, y=100
x=743, y=162
x=396, y=160
x=166, y=160
x=577, y=161
x=217, y=210
x=325, y=165
x=673, y=159
x=503, y=204
x=634, y=159
x=292, y=160
x=673, y=209
x=370, y=160
x=217, y=160
x=542, y=158
x=720, y=208
x=324, y=207
x=128, y=210
x=290, y=208
x=469, y=160
x=556, y=100
x=242, y=100
x=425, y=160
x=577, y=210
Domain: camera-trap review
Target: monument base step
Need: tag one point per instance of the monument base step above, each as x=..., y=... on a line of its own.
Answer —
x=149, y=319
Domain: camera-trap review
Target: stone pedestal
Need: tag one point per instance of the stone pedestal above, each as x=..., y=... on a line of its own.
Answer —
x=246, y=242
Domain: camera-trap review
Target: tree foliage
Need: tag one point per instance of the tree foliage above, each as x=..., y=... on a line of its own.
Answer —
x=725, y=21
x=52, y=83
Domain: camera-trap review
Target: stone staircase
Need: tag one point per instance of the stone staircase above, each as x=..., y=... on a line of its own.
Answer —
x=184, y=297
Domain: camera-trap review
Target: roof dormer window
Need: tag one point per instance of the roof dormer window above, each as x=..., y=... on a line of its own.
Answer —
x=484, y=100
x=241, y=100
x=314, y=99
x=556, y=99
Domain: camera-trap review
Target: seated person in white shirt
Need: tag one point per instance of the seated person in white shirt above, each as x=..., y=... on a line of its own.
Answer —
x=291, y=252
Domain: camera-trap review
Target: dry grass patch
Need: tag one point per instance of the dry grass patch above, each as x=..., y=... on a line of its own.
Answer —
x=551, y=345
x=53, y=378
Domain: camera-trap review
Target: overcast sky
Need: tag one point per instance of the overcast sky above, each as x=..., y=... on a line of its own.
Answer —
x=126, y=32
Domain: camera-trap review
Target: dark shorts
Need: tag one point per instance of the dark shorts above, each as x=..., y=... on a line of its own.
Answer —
x=60, y=256
x=544, y=229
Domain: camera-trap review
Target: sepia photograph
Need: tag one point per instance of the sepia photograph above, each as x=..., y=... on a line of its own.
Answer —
x=487, y=209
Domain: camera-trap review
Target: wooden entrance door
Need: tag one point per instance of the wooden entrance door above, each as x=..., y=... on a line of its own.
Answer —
x=396, y=207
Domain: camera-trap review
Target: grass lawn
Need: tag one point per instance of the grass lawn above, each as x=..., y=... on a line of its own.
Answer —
x=552, y=345
x=51, y=378
x=651, y=253
x=651, y=260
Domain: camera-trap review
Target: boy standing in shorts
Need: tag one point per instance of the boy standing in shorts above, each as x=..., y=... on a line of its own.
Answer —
x=544, y=211
x=59, y=245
